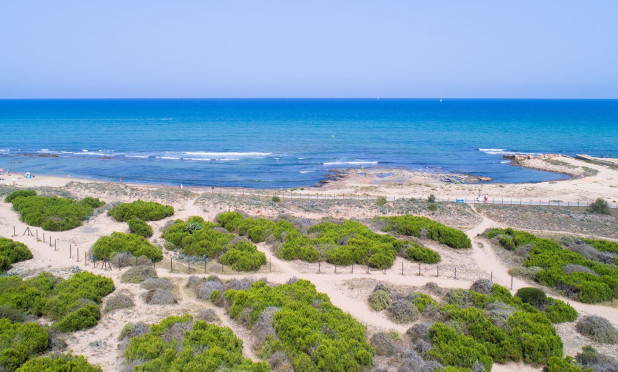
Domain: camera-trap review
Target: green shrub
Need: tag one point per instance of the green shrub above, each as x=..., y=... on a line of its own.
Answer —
x=139, y=227
x=145, y=211
x=431, y=198
x=59, y=363
x=243, y=256
x=52, y=213
x=596, y=282
x=107, y=246
x=199, y=346
x=559, y=312
x=93, y=203
x=422, y=301
x=415, y=252
x=557, y=364
x=313, y=333
x=196, y=237
x=379, y=300
x=454, y=349
x=432, y=207
x=532, y=296
x=599, y=206
x=413, y=226
x=19, y=194
x=275, y=199
x=603, y=245
x=403, y=311
x=82, y=318
x=19, y=342
x=381, y=201
x=11, y=252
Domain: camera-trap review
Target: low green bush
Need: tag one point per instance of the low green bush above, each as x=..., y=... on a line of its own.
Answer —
x=557, y=364
x=381, y=201
x=313, y=333
x=603, y=245
x=414, y=226
x=275, y=199
x=596, y=282
x=59, y=363
x=53, y=213
x=379, y=300
x=532, y=296
x=559, y=312
x=93, y=203
x=85, y=317
x=417, y=253
x=599, y=206
x=432, y=207
x=199, y=346
x=243, y=256
x=196, y=237
x=19, y=342
x=56, y=298
x=139, y=227
x=19, y=194
x=145, y=211
x=107, y=246
x=11, y=252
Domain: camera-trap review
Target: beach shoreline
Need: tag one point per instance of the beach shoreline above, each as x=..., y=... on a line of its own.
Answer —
x=587, y=181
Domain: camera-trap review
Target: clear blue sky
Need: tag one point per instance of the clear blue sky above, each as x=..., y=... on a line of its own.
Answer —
x=287, y=48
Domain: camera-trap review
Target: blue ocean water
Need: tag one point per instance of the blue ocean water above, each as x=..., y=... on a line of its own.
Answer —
x=272, y=143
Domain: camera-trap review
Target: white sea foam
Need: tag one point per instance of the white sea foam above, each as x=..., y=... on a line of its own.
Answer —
x=223, y=155
x=306, y=171
x=505, y=161
x=493, y=151
x=357, y=162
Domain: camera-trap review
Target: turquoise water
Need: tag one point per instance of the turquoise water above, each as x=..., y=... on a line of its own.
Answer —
x=274, y=143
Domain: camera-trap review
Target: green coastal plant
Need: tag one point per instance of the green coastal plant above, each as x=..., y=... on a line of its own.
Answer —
x=52, y=213
x=243, y=256
x=19, y=342
x=69, y=303
x=597, y=283
x=12, y=252
x=139, y=227
x=415, y=226
x=107, y=246
x=145, y=211
x=59, y=363
x=178, y=343
x=599, y=206
x=313, y=333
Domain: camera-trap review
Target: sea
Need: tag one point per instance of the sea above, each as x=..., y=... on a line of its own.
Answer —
x=285, y=143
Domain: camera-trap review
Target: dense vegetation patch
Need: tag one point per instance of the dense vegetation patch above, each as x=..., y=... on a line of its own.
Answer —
x=579, y=277
x=59, y=363
x=139, y=227
x=196, y=237
x=302, y=324
x=178, y=343
x=342, y=243
x=145, y=211
x=603, y=245
x=11, y=252
x=473, y=330
x=418, y=226
x=19, y=342
x=243, y=256
x=72, y=304
x=597, y=328
x=50, y=212
x=106, y=247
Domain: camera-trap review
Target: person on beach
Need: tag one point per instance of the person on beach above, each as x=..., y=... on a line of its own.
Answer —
x=486, y=198
x=120, y=179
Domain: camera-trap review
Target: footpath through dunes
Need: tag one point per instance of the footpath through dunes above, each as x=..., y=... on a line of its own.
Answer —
x=487, y=260
x=346, y=289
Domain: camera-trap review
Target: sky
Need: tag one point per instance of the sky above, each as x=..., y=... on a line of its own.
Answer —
x=287, y=48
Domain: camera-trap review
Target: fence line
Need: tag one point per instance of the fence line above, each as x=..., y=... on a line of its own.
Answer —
x=290, y=195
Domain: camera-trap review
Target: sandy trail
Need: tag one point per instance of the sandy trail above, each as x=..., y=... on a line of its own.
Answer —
x=99, y=343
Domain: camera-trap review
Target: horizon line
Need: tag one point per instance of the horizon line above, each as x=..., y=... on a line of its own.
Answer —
x=306, y=98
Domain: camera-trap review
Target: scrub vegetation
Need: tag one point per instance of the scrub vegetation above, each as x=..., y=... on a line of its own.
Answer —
x=52, y=213
x=579, y=270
